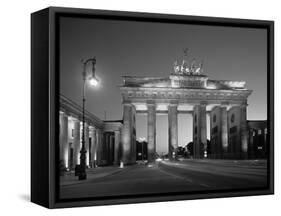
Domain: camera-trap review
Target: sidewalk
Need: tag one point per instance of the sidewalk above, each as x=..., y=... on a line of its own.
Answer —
x=93, y=173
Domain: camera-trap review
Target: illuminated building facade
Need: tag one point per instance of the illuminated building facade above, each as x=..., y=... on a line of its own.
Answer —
x=102, y=137
x=187, y=90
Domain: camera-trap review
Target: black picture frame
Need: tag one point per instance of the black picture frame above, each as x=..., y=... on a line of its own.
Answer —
x=45, y=104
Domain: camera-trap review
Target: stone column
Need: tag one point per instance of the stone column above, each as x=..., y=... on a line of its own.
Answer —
x=215, y=129
x=93, y=146
x=64, y=139
x=151, y=131
x=244, y=132
x=196, y=138
x=251, y=143
x=105, y=148
x=127, y=133
x=173, y=130
x=111, y=148
x=199, y=131
x=203, y=128
x=133, y=135
x=212, y=136
x=87, y=144
x=76, y=142
x=116, y=147
x=98, y=147
x=224, y=131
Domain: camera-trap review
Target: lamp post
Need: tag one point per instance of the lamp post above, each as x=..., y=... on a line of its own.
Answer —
x=93, y=81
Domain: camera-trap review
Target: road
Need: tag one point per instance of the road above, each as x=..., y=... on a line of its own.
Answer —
x=167, y=176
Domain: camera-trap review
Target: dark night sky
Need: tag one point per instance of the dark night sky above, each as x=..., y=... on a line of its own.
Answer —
x=149, y=49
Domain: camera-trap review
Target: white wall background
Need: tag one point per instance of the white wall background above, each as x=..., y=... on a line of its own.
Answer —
x=15, y=107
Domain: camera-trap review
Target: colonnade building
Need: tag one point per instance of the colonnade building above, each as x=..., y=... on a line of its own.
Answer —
x=185, y=90
x=102, y=138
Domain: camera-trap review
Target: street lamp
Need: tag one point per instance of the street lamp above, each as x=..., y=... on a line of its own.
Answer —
x=94, y=82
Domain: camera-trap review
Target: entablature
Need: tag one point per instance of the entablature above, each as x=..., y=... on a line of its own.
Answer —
x=129, y=93
x=70, y=108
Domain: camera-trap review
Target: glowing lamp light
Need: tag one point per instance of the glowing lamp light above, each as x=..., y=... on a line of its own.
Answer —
x=205, y=154
x=93, y=81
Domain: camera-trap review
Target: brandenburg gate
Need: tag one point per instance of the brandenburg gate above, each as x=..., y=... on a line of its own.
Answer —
x=187, y=90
